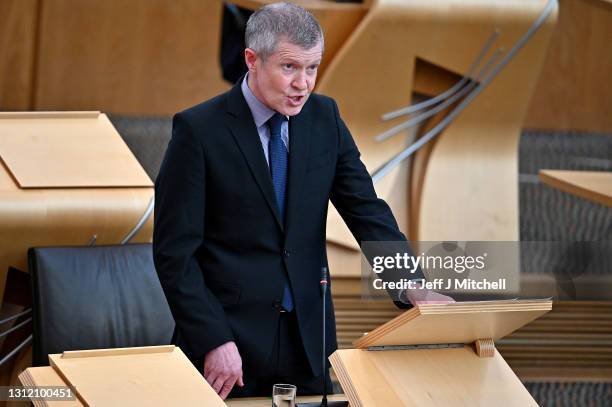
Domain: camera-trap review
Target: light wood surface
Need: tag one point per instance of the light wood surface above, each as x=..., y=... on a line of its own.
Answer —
x=485, y=348
x=17, y=53
x=573, y=91
x=441, y=377
x=453, y=373
x=470, y=177
x=67, y=151
x=141, y=57
x=596, y=186
x=137, y=378
x=46, y=376
x=66, y=216
x=267, y=401
x=461, y=322
x=74, y=216
x=573, y=342
x=338, y=21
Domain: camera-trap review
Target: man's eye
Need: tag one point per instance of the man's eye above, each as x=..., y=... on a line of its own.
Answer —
x=288, y=66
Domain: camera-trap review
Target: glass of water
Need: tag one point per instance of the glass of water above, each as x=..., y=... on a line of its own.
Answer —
x=283, y=395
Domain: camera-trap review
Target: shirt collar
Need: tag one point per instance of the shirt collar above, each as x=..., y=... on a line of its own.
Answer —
x=261, y=113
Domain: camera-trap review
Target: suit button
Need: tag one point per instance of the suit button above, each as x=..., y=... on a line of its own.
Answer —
x=277, y=305
x=286, y=252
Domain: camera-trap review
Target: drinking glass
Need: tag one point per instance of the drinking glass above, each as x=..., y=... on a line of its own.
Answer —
x=283, y=395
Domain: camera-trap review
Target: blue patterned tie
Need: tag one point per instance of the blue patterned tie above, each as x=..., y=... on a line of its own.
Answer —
x=279, y=162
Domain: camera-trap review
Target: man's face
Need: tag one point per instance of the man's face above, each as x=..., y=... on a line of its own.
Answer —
x=286, y=78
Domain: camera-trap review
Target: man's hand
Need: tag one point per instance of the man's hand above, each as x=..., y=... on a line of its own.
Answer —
x=422, y=296
x=223, y=368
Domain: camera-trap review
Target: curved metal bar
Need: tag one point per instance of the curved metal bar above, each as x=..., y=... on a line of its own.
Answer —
x=425, y=115
x=14, y=352
x=383, y=170
x=26, y=312
x=449, y=91
x=16, y=327
x=140, y=223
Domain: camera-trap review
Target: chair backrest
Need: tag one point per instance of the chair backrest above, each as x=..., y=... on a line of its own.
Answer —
x=96, y=297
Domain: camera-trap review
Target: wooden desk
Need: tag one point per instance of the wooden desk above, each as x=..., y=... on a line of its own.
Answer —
x=267, y=401
x=595, y=186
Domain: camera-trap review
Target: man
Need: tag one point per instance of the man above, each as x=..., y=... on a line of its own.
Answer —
x=241, y=206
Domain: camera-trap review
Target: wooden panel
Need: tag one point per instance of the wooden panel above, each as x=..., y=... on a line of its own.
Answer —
x=265, y=401
x=573, y=342
x=440, y=377
x=46, y=376
x=467, y=184
x=17, y=45
x=461, y=322
x=66, y=150
x=151, y=57
x=338, y=21
x=136, y=377
x=595, y=186
x=573, y=91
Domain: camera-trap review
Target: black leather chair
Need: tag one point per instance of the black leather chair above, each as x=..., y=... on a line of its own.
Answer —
x=96, y=297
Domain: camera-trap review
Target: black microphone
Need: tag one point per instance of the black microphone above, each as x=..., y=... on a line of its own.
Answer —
x=324, y=403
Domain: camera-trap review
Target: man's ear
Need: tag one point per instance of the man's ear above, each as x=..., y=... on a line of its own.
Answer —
x=250, y=58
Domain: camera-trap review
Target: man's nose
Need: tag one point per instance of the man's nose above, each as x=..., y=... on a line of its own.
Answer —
x=299, y=81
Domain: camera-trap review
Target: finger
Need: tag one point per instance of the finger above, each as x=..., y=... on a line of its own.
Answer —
x=218, y=383
x=240, y=381
x=210, y=377
x=227, y=387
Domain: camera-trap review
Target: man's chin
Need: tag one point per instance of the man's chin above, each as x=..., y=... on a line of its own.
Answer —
x=292, y=110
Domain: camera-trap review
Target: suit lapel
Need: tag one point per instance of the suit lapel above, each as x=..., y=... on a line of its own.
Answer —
x=242, y=126
x=299, y=146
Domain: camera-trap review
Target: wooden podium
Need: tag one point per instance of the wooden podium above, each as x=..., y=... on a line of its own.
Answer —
x=438, y=355
x=151, y=376
x=66, y=179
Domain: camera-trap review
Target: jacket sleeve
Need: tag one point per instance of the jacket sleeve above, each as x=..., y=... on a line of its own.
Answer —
x=180, y=205
x=368, y=217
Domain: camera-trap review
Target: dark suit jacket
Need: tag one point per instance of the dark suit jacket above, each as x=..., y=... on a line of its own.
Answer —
x=220, y=249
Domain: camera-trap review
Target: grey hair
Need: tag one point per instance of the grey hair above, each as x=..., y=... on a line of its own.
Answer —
x=276, y=21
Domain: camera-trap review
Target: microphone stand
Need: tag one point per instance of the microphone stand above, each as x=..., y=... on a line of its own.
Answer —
x=324, y=402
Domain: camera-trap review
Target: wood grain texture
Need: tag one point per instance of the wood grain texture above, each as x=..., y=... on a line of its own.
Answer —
x=148, y=378
x=485, y=348
x=17, y=52
x=596, y=186
x=66, y=216
x=338, y=20
x=467, y=185
x=46, y=376
x=140, y=57
x=573, y=91
x=440, y=377
x=461, y=322
x=571, y=343
x=265, y=401
x=67, y=151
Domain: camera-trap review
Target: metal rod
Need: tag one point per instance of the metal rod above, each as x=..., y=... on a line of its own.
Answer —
x=449, y=91
x=140, y=223
x=5, y=320
x=16, y=327
x=14, y=352
x=425, y=115
x=379, y=173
